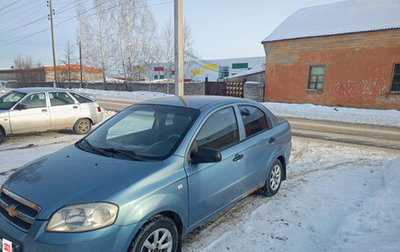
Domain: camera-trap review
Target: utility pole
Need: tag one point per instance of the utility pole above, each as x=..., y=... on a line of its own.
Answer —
x=49, y=3
x=178, y=23
x=80, y=61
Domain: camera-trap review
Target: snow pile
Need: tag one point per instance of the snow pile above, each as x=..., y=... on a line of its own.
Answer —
x=343, y=114
x=134, y=96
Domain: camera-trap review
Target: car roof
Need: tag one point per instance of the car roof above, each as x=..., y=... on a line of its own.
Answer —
x=41, y=89
x=200, y=102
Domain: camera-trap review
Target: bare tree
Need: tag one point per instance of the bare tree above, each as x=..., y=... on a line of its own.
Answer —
x=27, y=70
x=121, y=12
x=166, y=48
x=69, y=58
x=101, y=15
x=83, y=34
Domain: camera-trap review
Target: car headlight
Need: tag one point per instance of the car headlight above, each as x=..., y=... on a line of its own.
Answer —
x=83, y=217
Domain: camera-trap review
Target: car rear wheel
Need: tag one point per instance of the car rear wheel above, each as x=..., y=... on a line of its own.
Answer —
x=160, y=234
x=82, y=126
x=274, y=179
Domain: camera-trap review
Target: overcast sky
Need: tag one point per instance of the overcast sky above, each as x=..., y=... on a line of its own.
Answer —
x=220, y=28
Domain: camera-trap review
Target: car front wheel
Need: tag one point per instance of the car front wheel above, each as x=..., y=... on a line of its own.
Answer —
x=2, y=135
x=82, y=126
x=274, y=179
x=160, y=234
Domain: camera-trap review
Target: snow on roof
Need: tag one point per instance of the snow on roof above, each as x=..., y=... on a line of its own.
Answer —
x=256, y=69
x=339, y=18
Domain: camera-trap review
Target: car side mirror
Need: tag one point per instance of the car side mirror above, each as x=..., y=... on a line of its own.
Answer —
x=206, y=155
x=20, y=107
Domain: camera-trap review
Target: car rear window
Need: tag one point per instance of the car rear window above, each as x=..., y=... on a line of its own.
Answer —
x=80, y=98
x=254, y=120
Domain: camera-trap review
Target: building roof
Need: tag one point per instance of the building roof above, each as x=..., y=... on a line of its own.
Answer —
x=339, y=18
x=73, y=68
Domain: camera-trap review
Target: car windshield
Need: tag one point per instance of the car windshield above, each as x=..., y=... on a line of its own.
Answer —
x=10, y=99
x=141, y=132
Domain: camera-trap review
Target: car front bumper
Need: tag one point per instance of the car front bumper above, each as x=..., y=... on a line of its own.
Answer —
x=111, y=238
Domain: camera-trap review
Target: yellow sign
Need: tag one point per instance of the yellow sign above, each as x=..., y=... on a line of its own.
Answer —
x=211, y=67
x=142, y=69
x=198, y=72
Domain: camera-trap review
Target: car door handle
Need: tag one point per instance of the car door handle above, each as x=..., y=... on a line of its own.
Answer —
x=271, y=140
x=44, y=110
x=238, y=157
x=75, y=107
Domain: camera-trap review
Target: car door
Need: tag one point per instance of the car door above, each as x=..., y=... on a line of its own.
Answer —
x=212, y=186
x=30, y=115
x=257, y=145
x=64, y=112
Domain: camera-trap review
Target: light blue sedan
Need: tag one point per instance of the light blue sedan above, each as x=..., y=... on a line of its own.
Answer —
x=146, y=177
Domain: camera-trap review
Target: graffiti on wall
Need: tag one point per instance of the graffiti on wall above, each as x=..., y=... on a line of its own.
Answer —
x=360, y=88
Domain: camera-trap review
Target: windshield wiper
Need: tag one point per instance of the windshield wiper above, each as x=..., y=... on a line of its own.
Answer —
x=130, y=154
x=110, y=151
x=92, y=148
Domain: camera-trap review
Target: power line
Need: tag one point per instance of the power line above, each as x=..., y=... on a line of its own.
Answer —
x=41, y=18
x=24, y=25
x=112, y=7
x=18, y=15
x=69, y=19
x=11, y=4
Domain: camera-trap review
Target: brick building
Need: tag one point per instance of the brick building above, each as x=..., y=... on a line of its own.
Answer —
x=341, y=54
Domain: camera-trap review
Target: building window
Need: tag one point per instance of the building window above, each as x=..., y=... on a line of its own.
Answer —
x=396, y=78
x=316, y=77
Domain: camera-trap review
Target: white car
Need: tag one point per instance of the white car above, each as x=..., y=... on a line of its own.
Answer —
x=26, y=110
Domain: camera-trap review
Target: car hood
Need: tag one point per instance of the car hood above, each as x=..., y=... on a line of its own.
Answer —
x=73, y=176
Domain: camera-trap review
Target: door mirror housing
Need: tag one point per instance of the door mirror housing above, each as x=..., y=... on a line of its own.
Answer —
x=206, y=155
x=20, y=107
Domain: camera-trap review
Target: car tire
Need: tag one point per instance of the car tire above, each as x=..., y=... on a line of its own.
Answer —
x=159, y=226
x=2, y=135
x=82, y=126
x=274, y=180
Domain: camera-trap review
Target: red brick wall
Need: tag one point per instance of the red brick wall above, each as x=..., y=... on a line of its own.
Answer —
x=358, y=69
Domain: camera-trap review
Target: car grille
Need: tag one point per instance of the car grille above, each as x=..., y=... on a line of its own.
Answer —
x=16, y=210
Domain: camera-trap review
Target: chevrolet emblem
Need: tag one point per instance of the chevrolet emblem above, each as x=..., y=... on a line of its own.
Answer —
x=11, y=211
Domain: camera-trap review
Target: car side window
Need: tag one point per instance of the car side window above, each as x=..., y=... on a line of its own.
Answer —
x=219, y=131
x=80, y=98
x=60, y=98
x=34, y=101
x=254, y=120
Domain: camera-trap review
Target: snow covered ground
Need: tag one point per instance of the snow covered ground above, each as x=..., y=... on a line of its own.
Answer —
x=388, y=117
x=337, y=197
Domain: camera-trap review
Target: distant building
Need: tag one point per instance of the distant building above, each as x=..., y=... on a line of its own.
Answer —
x=341, y=54
x=65, y=73
x=72, y=72
x=200, y=70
